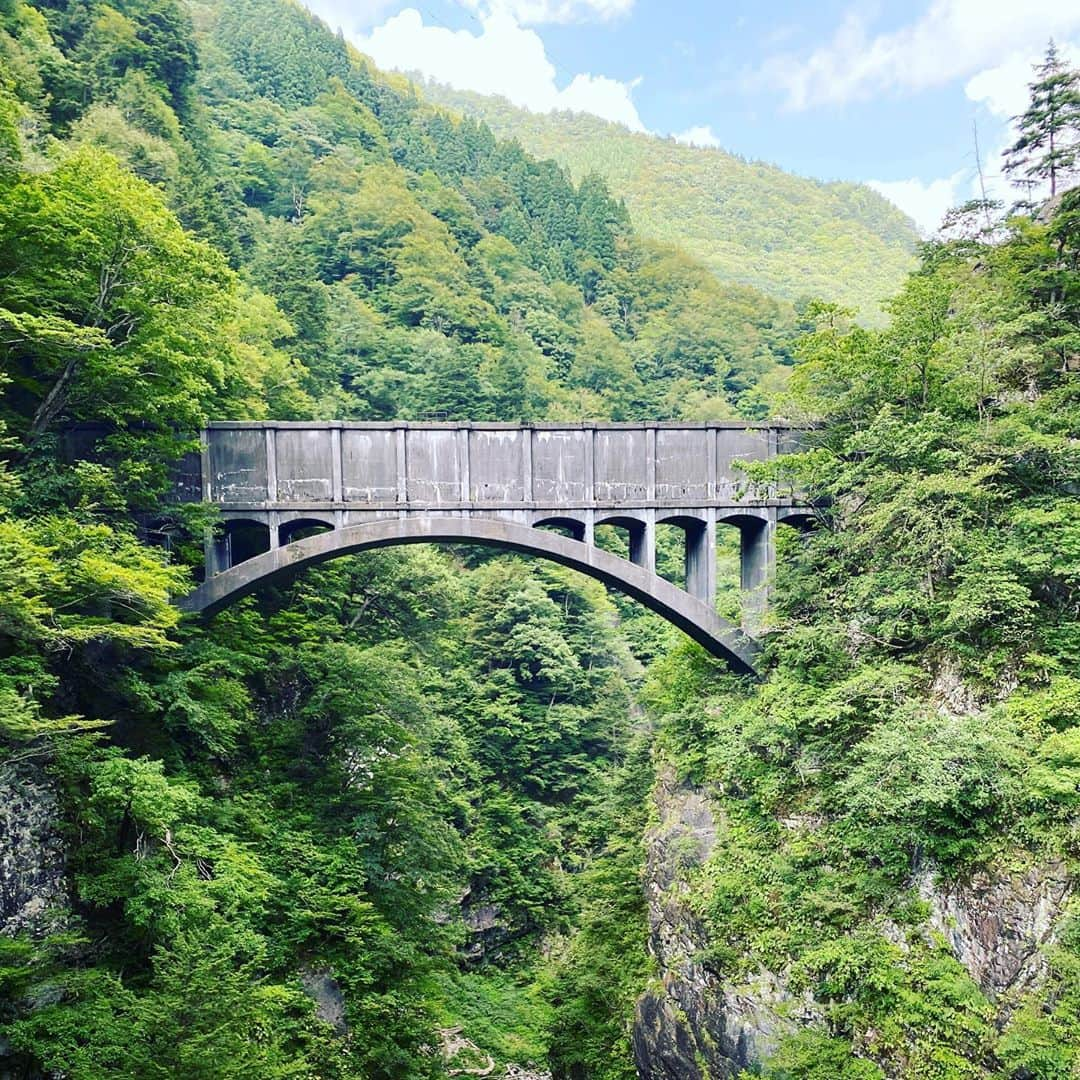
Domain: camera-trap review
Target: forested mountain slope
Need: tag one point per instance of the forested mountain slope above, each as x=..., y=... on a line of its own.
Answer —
x=746, y=220
x=424, y=268
x=300, y=839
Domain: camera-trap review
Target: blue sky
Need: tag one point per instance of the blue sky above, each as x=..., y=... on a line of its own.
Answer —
x=885, y=93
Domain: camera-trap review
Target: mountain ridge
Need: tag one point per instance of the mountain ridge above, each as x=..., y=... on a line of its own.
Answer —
x=749, y=221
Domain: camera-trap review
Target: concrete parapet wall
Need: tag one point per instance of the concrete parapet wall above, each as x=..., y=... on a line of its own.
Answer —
x=542, y=466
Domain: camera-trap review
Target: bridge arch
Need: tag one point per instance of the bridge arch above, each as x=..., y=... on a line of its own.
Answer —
x=695, y=617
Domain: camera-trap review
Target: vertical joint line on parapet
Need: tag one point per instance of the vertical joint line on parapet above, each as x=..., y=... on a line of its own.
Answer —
x=527, y=465
x=650, y=464
x=271, y=465
x=337, y=493
x=711, y=463
x=590, y=465
x=463, y=439
x=401, y=465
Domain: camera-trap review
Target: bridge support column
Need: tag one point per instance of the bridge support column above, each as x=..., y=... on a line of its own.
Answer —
x=217, y=553
x=588, y=535
x=643, y=543
x=701, y=559
x=757, y=551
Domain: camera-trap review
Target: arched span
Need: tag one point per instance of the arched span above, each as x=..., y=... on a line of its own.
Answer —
x=693, y=616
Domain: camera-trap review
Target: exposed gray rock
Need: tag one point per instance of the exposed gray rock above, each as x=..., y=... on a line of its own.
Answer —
x=320, y=985
x=33, y=892
x=520, y=1072
x=999, y=922
x=486, y=928
x=482, y=918
x=690, y=1025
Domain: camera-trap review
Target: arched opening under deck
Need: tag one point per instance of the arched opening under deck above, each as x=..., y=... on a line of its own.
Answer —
x=691, y=614
x=300, y=528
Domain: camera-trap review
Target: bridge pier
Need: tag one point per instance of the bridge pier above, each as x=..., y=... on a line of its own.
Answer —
x=217, y=553
x=757, y=561
x=643, y=542
x=701, y=559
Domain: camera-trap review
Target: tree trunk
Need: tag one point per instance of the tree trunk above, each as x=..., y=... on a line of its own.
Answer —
x=54, y=402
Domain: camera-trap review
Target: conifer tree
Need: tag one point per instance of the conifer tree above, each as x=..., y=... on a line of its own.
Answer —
x=1049, y=142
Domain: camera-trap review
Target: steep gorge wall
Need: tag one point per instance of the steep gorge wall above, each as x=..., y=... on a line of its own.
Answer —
x=33, y=895
x=692, y=1025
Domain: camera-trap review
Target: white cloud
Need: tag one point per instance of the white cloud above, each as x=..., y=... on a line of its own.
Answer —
x=700, y=135
x=534, y=12
x=504, y=58
x=603, y=97
x=1003, y=91
x=925, y=202
x=951, y=40
x=1003, y=88
x=351, y=15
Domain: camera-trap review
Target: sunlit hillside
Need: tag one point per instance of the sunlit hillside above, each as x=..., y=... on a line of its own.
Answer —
x=748, y=221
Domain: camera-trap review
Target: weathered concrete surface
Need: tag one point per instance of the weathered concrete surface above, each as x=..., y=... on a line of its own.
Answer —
x=275, y=482
x=339, y=465
x=691, y=615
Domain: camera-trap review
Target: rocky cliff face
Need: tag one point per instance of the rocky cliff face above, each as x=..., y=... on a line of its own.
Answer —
x=998, y=923
x=33, y=892
x=33, y=897
x=689, y=1025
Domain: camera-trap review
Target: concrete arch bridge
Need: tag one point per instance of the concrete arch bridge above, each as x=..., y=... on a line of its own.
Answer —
x=291, y=495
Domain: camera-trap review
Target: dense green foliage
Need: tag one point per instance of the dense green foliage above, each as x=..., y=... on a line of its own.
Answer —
x=326, y=784
x=747, y=221
x=921, y=713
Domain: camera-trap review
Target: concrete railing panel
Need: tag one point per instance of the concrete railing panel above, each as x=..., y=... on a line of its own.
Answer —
x=369, y=466
x=682, y=465
x=620, y=467
x=559, y=460
x=497, y=466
